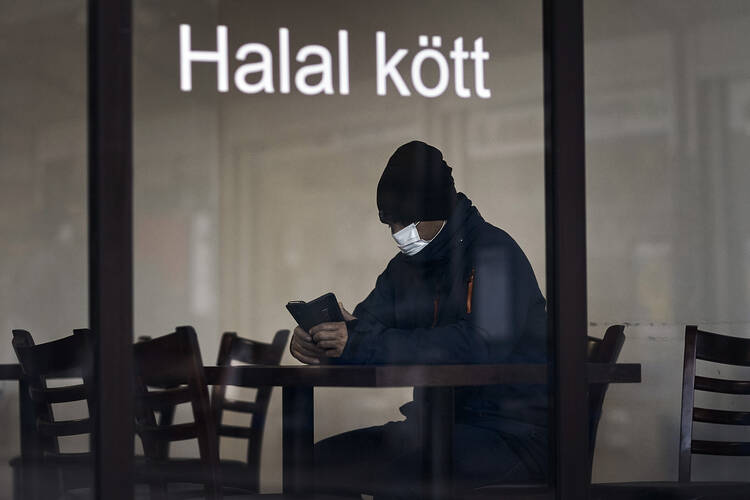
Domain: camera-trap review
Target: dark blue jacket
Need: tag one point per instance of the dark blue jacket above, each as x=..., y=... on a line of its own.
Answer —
x=420, y=312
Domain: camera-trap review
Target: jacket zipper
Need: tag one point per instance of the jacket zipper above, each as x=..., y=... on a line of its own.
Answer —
x=470, y=291
x=469, y=296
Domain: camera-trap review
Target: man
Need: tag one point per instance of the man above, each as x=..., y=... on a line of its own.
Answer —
x=459, y=291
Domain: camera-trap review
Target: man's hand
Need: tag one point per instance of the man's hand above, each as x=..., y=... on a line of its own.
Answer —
x=304, y=349
x=331, y=337
x=330, y=343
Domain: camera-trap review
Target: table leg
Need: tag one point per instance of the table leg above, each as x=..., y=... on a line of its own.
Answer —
x=297, y=440
x=437, y=442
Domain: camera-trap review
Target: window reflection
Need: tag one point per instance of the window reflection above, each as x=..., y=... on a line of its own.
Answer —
x=43, y=266
x=246, y=201
x=666, y=104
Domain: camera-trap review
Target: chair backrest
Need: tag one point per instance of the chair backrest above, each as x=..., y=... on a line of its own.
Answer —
x=242, y=350
x=717, y=348
x=604, y=350
x=67, y=358
x=168, y=372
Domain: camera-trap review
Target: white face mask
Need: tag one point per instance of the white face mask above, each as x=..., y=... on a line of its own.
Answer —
x=409, y=241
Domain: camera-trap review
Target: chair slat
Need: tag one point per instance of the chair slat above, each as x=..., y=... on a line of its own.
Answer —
x=161, y=361
x=730, y=448
x=64, y=427
x=176, y=432
x=724, y=386
x=721, y=416
x=58, y=394
x=253, y=352
x=167, y=398
x=235, y=431
x=67, y=357
x=240, y=406
x=84, y=457
x=723, y=349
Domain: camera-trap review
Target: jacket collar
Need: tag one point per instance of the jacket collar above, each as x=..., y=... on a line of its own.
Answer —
x=464, y=219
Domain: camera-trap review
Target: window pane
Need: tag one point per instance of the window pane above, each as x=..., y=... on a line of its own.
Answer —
x=257, y=185
x=667, y=110
x=43, y=219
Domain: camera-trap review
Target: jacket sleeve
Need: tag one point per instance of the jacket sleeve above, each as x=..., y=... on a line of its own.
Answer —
x=375, y=313
x=486, y=335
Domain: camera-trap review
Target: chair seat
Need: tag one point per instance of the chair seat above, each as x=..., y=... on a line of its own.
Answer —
x=83, y=458
x=671, y=490
x=510, y=491
x=75, y=470
x=284, y=496
x=234, y=473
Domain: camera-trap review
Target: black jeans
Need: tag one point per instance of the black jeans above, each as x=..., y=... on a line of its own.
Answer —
x=385, y=461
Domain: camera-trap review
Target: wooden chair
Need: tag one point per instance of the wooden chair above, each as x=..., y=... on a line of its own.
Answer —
x=237, y=475
x=718, y=349
x=47, y=470
x=168, y=372
x=708, y=347
x=604, y=350
x=237, y=349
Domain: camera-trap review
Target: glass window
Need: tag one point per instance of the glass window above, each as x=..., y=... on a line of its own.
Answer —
x=43, y=219
x=667, y=110
x=261, y=132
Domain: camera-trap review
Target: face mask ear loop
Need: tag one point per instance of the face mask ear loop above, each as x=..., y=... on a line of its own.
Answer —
x=441, y=228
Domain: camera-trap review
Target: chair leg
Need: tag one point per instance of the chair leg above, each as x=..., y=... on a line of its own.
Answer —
x=17, y=483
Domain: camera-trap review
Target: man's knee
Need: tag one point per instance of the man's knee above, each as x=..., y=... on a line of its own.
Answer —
x=348, y=447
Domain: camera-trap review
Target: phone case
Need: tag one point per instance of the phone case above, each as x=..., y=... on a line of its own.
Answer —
x=324, y=309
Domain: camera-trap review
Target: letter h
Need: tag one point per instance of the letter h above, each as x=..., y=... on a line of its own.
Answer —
x=188, y=56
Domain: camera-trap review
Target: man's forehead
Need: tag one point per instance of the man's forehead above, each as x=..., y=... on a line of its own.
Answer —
x=386, y=218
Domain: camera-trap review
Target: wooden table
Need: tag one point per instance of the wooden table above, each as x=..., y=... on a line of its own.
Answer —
x=438, y=381
x=298, y=383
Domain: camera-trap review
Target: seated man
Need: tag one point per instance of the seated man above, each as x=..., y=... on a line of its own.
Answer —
x=460, y=291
